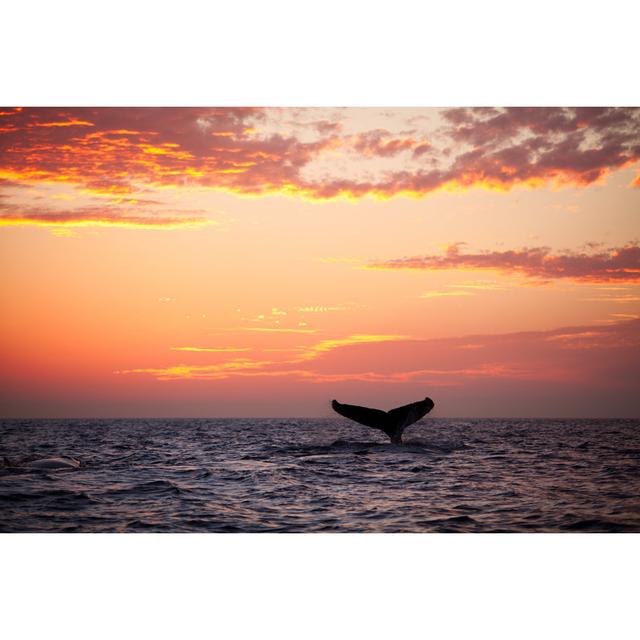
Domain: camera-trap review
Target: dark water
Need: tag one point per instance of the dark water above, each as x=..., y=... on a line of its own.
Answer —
x=277, y=475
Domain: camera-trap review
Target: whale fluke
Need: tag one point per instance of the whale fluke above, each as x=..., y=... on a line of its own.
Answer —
x=392, y=422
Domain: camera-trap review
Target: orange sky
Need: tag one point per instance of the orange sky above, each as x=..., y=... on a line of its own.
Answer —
x=260, y=262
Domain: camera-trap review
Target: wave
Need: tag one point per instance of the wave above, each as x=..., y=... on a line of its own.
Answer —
x=60, y=463
x=358, y=448
x=146, y=489
x=452, y=524
x=321, y=475
x=596, y=525
x=53, y=497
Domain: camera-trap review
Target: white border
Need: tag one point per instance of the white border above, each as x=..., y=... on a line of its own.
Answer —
x=319, y=53
x=319, y=586
x=286, y=52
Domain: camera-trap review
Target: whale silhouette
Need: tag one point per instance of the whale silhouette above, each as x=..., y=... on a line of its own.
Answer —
x=392, y=422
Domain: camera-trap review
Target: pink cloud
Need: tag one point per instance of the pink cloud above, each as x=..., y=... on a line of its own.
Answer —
x=115, y=150
x=616, y=264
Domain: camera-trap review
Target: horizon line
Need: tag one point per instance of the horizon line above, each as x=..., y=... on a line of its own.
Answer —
x=313, y=418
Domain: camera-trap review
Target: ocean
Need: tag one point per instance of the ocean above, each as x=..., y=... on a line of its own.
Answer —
x=319, y=475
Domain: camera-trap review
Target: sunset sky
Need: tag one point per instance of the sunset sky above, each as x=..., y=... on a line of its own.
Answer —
x=260, y=262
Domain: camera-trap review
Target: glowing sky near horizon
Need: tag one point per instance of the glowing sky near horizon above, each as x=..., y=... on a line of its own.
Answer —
x=260, y=262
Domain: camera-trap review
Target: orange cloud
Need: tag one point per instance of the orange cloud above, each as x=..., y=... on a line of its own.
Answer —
x=101, y=217
x=63, y=123
x=237, y=366
x=116, y=151
x=330, y=345
x=278, y=330
x=211, y=349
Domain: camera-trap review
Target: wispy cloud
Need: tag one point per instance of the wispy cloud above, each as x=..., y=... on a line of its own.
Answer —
x=109, y=216
x=212, y=349
x=479, y=285
x=237, y=366
x=319, y=309
x=278, y=330
x=445, y=294
x=616, y=264
x=605, y=355
x=620, y=299
x=329, y=345
x=331, y=260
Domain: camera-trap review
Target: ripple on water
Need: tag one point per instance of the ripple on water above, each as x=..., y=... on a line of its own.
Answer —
x=320, y=475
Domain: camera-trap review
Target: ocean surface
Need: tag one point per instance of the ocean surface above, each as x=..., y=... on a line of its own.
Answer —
x=319, y=475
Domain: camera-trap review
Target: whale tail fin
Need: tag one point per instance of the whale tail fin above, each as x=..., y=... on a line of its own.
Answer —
x=363, y=415
x=392, y=422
